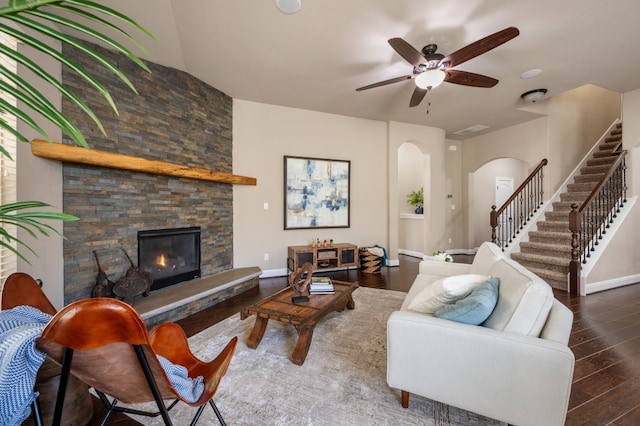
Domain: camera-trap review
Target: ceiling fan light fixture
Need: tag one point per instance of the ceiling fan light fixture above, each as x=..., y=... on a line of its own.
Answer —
x=430, y=79
x=288, y=6
x=533, y=95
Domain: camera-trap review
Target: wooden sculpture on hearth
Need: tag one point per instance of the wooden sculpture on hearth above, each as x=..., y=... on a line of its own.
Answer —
x=134, y=283
x=299, y=280
x=104, y=286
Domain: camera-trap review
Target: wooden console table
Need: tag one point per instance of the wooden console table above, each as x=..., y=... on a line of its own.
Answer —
x=341, y=255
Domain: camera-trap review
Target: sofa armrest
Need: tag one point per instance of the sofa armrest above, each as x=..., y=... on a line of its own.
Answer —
x=444, y=269
x=504, y=376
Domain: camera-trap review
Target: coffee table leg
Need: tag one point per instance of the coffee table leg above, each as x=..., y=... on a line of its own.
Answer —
x=350, y=303
x=302, y=347
x=257, y=333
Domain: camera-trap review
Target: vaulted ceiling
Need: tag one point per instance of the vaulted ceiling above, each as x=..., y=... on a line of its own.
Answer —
x=316, y=58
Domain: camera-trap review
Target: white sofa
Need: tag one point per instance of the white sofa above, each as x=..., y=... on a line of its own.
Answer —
x=515, y=367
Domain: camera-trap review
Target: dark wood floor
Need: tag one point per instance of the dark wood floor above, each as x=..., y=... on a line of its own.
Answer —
x=605, y=340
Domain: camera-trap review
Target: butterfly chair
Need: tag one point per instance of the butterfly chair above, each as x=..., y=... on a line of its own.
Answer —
x=21, y=289
x=105, y=343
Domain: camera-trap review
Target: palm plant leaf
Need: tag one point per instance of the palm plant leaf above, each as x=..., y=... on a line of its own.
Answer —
x=94, y=34
x=30, y=221
x=38, y=105
x=77, y=137
x=17, y=10
x=27, y=215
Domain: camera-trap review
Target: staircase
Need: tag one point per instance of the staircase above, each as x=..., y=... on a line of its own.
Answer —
x=548, y=251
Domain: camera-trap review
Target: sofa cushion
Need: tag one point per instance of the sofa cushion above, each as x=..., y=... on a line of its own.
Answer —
x=485, y=257
x=476, y=307
x=524, y=300
x=445, y=291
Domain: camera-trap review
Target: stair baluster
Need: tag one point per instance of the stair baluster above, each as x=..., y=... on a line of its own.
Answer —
x=507, y=222
x=588, y=222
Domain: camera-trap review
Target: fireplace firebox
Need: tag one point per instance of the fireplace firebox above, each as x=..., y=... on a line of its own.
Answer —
x=170, y=255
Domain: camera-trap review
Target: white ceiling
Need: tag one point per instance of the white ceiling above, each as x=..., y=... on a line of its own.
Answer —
x=316, y=58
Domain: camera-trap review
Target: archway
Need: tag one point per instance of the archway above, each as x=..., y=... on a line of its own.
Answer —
x=413, y=174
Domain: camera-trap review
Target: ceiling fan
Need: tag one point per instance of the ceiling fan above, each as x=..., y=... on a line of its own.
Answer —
x=431, y=68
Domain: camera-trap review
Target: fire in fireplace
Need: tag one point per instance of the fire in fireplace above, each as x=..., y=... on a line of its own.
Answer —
x=170, y=255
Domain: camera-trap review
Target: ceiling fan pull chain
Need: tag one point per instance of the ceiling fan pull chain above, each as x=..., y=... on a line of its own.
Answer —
x=428, y=101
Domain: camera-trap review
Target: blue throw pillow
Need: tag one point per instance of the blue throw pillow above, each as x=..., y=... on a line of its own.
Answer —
x=476, y=307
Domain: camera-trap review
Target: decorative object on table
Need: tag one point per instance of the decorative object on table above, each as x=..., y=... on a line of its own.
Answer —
x=442, y=256
x=416, y=198
x=321, y=285
x=299, y=280
x=331, y=242
x=316, y=193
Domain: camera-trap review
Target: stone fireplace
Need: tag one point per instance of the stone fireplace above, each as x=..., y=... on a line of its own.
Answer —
x=177, y=119
x=171, y=256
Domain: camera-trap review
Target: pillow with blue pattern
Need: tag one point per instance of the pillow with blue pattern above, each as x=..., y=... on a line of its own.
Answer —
x=476, y=307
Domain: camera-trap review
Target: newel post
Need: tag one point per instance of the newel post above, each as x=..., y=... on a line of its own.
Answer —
x=574, y=265
x=493, y=221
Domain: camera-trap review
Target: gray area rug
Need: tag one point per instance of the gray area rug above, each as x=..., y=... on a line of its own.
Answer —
x=342, y=381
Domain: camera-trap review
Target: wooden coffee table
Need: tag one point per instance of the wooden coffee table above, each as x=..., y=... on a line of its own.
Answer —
x=304, y=316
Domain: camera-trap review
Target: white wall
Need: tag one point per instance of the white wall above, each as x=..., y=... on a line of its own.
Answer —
x=262, y=136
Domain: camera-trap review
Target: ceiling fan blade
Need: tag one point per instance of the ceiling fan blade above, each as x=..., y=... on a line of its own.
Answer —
x=417, y=97
x=479, y=47
x=466, y=78
x=407, y=51
x=385, y=82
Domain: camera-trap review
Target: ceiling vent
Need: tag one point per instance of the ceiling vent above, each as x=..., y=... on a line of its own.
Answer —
x=472, y=129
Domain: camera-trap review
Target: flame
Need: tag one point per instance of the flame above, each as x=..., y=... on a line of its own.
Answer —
x=162, y=261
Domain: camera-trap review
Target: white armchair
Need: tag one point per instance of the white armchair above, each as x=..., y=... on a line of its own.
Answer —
x=517, y=368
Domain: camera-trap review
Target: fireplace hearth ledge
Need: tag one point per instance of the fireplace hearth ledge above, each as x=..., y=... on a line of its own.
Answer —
x=161, y=301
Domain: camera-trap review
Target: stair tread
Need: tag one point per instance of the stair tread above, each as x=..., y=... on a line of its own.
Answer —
x=543, y=272
x=542, y=258
x=545, y=246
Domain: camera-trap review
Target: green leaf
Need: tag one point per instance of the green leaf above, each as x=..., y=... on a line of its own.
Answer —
x=38, y=45
x=106, y=24
x=37, y=70
x=110, y=12
x=43, y=107
x=90, y=32
x=57, y=35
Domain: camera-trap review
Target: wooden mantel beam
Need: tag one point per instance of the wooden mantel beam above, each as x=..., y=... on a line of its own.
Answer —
x=80, y=155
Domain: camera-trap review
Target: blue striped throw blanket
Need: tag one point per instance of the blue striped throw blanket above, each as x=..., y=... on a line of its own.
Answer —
x=189, y=388
x=19, y=361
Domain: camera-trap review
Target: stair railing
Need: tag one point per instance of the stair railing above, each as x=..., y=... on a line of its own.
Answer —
x=590, y=221
x=513, y=215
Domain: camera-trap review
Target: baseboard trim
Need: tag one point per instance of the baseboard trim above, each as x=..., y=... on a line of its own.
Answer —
x=271, y=273
x=612, y=283
x=411, y=253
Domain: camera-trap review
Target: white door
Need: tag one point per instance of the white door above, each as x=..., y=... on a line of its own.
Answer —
x=504, y=190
